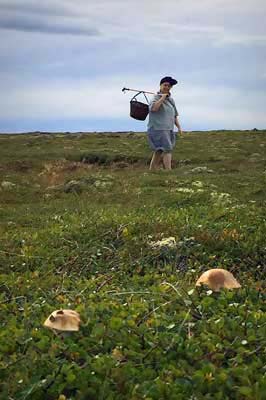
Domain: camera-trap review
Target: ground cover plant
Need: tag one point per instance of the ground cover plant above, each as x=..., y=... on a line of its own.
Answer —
x=85, y=226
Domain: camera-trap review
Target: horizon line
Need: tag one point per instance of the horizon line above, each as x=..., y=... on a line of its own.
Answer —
x=128, y=131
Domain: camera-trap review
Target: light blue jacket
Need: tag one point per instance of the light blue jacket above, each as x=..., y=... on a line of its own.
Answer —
x=164, y=118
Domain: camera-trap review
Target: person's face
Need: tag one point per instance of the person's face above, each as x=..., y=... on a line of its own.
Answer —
x=165, y=87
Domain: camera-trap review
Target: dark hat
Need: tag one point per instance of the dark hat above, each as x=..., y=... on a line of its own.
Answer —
x=169, y=79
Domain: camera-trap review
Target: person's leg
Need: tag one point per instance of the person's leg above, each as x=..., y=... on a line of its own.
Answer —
x=167, y=160
x=156, y=159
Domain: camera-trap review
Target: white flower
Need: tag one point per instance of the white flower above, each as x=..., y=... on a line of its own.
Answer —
x=202, y=169
x=221, y=198
x=198, y=184
x=7, y=185
x=102, y=184
x=185, y=190
x=166, y=242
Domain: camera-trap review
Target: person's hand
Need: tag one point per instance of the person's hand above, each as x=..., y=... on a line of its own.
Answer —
x=164, y=95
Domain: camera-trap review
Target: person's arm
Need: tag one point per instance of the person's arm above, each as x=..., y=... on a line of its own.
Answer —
x=157, y=104
x=177, y=124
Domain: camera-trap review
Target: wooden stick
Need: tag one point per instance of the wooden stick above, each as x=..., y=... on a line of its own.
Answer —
x=135, y=90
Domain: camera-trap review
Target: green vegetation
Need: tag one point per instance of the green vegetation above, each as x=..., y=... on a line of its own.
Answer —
x=79, y=215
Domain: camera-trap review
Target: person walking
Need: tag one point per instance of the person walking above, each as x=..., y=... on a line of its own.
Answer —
x=163, y=115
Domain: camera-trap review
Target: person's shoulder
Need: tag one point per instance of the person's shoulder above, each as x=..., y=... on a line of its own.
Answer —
x=155, y=97
x=171, y=100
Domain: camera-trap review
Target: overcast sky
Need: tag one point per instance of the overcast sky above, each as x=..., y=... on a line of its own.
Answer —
x=63, y=63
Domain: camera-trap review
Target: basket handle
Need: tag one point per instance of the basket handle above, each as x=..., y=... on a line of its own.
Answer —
x=134, y=97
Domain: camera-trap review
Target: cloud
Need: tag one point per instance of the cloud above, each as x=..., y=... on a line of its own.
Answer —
x=221, y=22
x=214, y=47
x=241, y=39
x=50, y=8
x=95, y=98
x=102, y=99
x=42, y=25
x=217, y=107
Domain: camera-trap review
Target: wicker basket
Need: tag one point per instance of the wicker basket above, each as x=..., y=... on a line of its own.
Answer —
x=139, y=110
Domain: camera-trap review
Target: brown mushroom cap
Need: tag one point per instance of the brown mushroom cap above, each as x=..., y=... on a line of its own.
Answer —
x=217, y=279
x=63, y=320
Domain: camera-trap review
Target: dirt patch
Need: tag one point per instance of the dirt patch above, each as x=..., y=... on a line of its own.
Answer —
x=17, y=166
x=55, y=173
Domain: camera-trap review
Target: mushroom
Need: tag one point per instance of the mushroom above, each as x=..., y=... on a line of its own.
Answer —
x=63, y=320
x=217, y=279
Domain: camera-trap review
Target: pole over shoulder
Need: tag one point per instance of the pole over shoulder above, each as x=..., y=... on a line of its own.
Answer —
x=135, y=90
